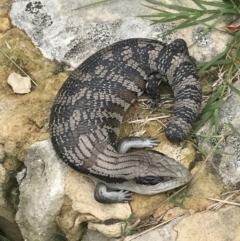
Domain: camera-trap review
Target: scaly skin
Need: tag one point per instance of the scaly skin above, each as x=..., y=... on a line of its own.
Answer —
x=88, y=110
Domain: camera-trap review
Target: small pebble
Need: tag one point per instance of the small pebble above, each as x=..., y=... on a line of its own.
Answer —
x=19, y=84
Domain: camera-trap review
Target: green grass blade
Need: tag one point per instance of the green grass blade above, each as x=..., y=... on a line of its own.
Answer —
x=3, y=238
x=203, y=152
x=235, y=6
x=213, y=98
x=206, y=116
x=223, y=61
x=174, y=7
x=212, y=122
x=233, y=70
x=198, y=3
x=218, y=104
x=216, y=120
x=153, y=8
x=234, y=89
x=92, y=4
x=210, y=63
x=233, y=128
x=217, y=4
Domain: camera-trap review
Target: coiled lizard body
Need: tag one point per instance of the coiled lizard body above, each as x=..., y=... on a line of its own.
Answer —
x=88, y=110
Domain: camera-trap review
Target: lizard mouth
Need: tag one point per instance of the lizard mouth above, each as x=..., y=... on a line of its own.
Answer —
x=152, y=180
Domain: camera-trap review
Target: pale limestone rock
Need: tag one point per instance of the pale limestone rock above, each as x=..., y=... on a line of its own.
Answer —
x=204, y=185
x=80, y=190
x=10, y=148
x=80, y=206
x=176, y=212
x=41, y=192
x=71, y=222
x=141, y=204
x=20, y=85
x=184, y=155
x=111, y=231
x=211, y=226
x=5, y=25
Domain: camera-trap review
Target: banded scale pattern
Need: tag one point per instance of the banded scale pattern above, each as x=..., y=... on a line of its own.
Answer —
x=88, y=110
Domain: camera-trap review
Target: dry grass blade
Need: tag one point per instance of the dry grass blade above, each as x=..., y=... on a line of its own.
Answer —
x=148, y=119
x=219, y=204
x=224, y=201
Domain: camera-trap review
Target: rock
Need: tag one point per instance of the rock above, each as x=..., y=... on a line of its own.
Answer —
x=10, y=230
x=141, y=204
x=207, y=225
x=81, y=207
x=211, y=226
x=20, y=85
x=5, y=25
x=204, y=185
x=71, y=36
x=227, y=164
x=83, y=201
x=41, y=192
x=71, y=222
x=111, y=231
x=176, y=212
x=2, y=154
x=24, y=118
x=6, y=210
x=8, y=195
x=92, y=235
x=161, y=233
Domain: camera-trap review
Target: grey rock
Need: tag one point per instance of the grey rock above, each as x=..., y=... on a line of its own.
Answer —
x=227, y=163
x=68, y=35
x=41, y=192
x=199, y=38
